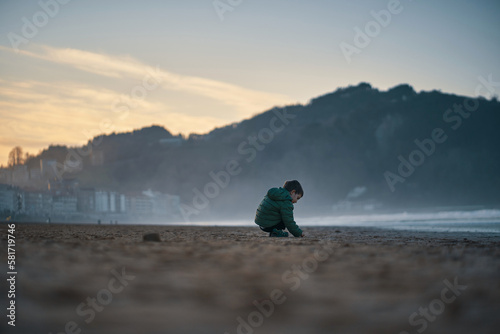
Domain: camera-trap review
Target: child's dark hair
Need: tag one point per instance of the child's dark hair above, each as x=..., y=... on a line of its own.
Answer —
x=294, y=185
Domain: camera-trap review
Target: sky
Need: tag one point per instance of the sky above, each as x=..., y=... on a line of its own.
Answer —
x=74, y=69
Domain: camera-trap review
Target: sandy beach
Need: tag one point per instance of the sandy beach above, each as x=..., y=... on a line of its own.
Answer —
x=106, y=279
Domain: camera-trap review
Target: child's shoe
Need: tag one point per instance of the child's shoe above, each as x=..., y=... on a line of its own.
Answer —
x=278, y=233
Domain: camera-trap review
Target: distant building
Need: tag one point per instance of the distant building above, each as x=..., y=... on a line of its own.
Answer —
x=65, y=200
x=5, y=176
x=38, y=203
x=86, y=200
x=139, y=205
x=162, y=204
x=101, y=201
x=64, y=205
x=48, y=168
x=7, y=198
x=35, y=174
x=123, y=204
x=20, y=175
x=112, y=201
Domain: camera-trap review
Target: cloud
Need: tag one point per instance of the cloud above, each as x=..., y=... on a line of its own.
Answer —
x=245, y=101
x=36, y=114
x=64, y=107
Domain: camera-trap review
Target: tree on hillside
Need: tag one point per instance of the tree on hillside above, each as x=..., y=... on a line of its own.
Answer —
x=16, y=156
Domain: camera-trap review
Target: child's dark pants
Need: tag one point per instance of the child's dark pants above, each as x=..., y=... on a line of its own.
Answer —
x=279, y=226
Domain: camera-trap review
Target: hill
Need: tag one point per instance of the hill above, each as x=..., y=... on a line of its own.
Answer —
x=395, y=148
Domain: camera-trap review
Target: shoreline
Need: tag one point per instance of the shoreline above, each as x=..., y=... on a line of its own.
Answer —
x=484, y=226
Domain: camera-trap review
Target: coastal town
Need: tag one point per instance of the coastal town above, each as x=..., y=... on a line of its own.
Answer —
x=38, y=195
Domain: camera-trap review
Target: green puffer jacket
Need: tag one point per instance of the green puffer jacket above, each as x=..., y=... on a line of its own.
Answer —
x=277, y=207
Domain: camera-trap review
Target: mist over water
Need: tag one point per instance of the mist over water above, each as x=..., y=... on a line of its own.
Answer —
x=477, y=221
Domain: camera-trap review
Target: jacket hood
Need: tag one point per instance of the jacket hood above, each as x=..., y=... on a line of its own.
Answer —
x=279, y=194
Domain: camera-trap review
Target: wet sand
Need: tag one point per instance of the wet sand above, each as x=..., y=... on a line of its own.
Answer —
x=106, y=279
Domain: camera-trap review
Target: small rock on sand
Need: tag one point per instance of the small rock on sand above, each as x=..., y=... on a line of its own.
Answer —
x=151, y=237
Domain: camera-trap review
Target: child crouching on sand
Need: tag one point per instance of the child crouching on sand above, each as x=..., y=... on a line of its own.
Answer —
x=275, y=212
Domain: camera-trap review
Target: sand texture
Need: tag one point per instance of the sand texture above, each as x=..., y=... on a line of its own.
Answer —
x=238, y=280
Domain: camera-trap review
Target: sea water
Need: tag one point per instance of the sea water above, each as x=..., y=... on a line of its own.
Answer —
x=481, y=221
